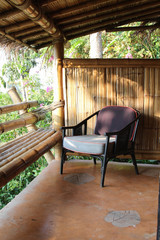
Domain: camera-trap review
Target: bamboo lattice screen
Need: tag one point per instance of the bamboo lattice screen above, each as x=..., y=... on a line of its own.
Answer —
x=91, y=84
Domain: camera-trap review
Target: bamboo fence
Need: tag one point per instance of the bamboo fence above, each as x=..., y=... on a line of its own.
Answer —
x=91, y=84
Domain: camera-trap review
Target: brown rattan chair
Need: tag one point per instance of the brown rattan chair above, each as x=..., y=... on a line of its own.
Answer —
x=114, y=135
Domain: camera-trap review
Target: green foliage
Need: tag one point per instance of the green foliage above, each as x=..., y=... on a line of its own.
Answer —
x=79, y=48
x=141, y=44
x=42, y=96
x=143, y=161
x=16, y=72
x=16, y=185
x=5, y=99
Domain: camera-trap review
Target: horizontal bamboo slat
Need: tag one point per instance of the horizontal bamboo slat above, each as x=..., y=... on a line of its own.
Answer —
x=24, y=159
x=124, y=63
x=29, y=118
x=19, y=139
x=18, y=106
x=26, y=119
x=12, y=152
x=91, y=84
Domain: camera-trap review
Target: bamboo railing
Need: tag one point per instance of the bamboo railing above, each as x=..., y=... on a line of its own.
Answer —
x=12, y=165
x=37, y=115
x=26, y=118
x=18, y=154
x=18, y=106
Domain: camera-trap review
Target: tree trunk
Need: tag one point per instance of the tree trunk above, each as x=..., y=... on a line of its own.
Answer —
x=96, y=45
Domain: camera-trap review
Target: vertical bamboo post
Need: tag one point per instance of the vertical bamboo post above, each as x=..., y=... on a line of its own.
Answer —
x=58, y=114
x=12, y=92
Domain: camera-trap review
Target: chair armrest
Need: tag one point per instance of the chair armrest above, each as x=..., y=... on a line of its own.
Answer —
x=64, y=130
x=86, y=119
x=78, y=126
x=67, y=127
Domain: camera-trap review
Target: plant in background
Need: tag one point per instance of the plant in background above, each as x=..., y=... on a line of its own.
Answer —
x=79, y=48
x=16, y=71
x=16, y=185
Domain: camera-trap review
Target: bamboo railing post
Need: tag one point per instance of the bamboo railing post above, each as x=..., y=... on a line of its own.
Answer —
x=16, y=99
x=58, y=114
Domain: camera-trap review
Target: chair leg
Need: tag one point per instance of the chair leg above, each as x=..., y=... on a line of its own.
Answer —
x=94, y=159
x=62, y=160
x=134, y=163
x=103, y=170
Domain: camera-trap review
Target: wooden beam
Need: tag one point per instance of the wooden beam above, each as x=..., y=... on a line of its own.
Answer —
x=97, y=26
x=12, y=28
x=93, y=30
x=43, y=45
x=16, y=40
x=44, y=3
x=10, y=13
x=41, y=40
x=27, y=31
x=36, y=15
x=34, y=35
x=78, y=7
x=136, y=28
x=99, y=10
x=114, y=16
x=103, y=63
x=148, y=18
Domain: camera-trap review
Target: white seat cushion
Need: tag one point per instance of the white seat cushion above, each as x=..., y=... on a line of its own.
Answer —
x=90, y=144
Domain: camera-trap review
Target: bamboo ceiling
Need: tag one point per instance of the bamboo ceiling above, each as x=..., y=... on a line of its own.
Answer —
x=39, y=23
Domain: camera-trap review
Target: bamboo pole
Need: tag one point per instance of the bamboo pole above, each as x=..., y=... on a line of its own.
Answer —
x=34, y=12
x=28, y=31
x=58, y=115
x=46, y=2
x=125, y=63
x=25, y=120
x=73, y=9
x=109, y=24
x=122, y=15
x=121, y=29
x=40, y=41
x=26, y=38
x=18, y=107
x=97, y=11
x=21, y=25
x=13, y=39
x=10, y=13
x=47, y=44
x=16, y=99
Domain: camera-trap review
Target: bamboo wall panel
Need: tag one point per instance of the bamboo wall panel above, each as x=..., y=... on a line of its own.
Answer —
x=91, y=84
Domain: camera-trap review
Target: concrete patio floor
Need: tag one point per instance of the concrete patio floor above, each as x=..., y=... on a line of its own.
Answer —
x=73, y=206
